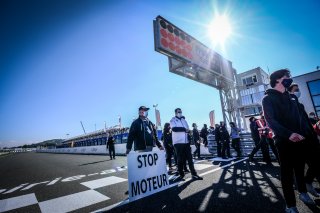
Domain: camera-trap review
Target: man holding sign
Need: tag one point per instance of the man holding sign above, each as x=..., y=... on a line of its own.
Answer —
x=147, y=172
x=143, y=133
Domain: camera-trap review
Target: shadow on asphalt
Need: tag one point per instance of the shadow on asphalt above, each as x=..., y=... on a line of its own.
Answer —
x=247, y=187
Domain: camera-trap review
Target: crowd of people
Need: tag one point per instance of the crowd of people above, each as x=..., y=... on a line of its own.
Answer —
x=283, y=125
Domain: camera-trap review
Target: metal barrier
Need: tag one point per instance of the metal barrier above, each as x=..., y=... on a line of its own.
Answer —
x=246, y=146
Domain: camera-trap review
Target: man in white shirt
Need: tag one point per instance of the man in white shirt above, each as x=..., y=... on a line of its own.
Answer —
x=180, y=130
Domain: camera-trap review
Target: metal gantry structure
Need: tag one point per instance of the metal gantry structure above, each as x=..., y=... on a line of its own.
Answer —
x=189, y=58
x=229, y=95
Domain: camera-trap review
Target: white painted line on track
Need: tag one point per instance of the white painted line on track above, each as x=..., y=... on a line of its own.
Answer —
x=124, y=202
x=222, y=167
x=222, y=159
x=54, y=181
x=18, y=202
x=93, y=174
x=202, y=166
x=172, y=176
x=15, y=188
x=199, y=161
x=94, y=184
x=32, y=185
x=72, y=202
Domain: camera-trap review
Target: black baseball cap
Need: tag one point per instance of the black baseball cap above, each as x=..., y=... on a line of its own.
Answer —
x=143, y=108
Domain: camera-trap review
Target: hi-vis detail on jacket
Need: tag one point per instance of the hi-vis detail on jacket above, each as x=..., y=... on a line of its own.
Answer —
x=179, y=137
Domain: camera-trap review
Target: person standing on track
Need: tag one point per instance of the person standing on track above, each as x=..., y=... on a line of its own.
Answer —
x=262, y=144
x=142, y=133
x=180, y=131
x=254, y=130
x=235, y=137
x=196, y=140
x=204, y=134
x=224, y=138
x=291, y=135
x=313, y=152
x=168, y=145
x=218, y=140
x=110, y=145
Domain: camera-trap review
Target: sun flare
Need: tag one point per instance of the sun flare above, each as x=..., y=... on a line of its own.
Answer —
x=220, y=29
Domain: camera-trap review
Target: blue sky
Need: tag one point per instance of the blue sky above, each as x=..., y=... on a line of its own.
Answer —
x=62, y=62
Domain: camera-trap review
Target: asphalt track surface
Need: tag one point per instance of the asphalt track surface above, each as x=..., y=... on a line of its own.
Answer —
x=42, y=182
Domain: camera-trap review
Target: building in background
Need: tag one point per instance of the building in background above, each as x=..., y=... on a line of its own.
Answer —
x=251, y=87
x=309, y=85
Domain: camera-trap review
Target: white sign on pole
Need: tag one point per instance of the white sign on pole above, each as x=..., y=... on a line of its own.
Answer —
x=147, y=174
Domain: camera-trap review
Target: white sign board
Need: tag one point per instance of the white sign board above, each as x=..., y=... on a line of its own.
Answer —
x=147, y=174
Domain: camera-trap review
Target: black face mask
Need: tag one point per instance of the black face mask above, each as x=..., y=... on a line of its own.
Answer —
x=287, y=82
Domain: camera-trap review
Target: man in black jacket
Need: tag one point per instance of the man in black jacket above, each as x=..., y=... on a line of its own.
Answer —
x=204, y=134
x=143, y=133
x=291, y=134
x=110, y=145
x=225, y=140
x=218, y=141
x=196, y=140
x=254, y=130
x=313, y=152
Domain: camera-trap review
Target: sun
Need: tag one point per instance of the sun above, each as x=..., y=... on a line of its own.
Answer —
x=220, y=29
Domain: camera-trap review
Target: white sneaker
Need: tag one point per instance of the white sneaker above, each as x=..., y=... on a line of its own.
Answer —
x=292, y=210
x=304, y=197
x=311, y=190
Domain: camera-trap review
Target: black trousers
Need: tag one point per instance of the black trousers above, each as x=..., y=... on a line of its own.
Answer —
x=313, y=162
x=184, y=154
x=263, y=145
x=292, y=161
x=225, y=148
x=273, y=147
x=256, y=141
x=219, y=147
x=236, y=145
x=169, y=154
x=205, y=141
x=197, y=151
x=112, y=152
